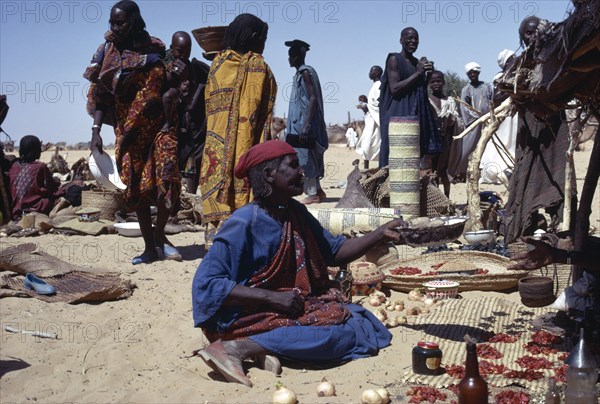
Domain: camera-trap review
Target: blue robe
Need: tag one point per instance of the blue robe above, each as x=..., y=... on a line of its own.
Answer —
x=246, y=243
x=310, y=159
x=413, y=103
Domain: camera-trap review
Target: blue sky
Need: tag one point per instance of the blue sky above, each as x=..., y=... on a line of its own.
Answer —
x=46, y=45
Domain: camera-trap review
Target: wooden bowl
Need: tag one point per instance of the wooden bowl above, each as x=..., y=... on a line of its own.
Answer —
x=536, y=291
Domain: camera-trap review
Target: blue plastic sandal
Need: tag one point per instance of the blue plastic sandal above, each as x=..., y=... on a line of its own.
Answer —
x=144, y=259
x=171, y=253
x=40, y=286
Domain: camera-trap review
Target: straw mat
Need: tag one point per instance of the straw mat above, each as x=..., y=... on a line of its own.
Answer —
x=497, y=278
x=73, y=284
x=479, y=317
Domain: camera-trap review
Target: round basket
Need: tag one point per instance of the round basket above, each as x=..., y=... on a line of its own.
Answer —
x=441, y=289
x=496, y=278
x=366, y=278
x=210, y=39
x=109, y=202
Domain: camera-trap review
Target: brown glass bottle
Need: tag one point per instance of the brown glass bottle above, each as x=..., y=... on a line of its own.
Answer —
x=472, y=389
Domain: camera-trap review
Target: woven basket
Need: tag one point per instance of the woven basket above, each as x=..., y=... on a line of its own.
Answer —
x=210, y=39
x=377, y=188
x=498, y=277
x=109, y=202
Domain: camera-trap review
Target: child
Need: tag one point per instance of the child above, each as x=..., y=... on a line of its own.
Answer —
x=178, y=83
x=32, y=187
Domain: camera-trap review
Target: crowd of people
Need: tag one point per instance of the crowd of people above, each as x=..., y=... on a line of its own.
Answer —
x=265, y=274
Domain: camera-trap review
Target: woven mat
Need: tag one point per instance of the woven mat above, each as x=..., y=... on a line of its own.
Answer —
x=498, y=277
x=73, y=284
x=448, y=323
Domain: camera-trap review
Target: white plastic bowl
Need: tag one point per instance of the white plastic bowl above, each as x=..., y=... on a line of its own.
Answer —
x=104, y=169
x=128, y=229
x=484, y=237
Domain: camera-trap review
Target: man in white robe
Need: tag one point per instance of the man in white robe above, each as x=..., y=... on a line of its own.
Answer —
x=369, y=143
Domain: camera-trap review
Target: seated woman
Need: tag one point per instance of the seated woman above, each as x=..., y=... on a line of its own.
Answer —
x=32, y=187
x=263, y=287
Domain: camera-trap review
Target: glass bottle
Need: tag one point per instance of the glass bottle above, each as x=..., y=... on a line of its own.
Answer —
x=472, y=389
x=344, y=277
x=552, y=395
x=581, y=374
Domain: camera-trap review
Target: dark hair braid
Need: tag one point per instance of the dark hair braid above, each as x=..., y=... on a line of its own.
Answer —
x=239, y=33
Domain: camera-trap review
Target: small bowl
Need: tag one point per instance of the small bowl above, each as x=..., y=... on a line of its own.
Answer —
x=483, y=237
x=442, y=289
x=536, y=291
x=128, y=229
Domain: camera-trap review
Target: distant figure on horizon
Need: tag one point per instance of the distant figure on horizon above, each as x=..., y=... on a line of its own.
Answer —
x=476, y=97
x=449, y=125
x=369, y=143
x=306, y=118
x=403, y=94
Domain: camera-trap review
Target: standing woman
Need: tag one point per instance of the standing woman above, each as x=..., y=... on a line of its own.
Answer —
x=240, y=95
x=127, y=74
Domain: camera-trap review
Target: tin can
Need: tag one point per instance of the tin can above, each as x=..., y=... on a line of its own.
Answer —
x=426, y=358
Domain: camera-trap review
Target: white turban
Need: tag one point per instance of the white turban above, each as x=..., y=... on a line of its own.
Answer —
x=472, y=66
x=503, y=57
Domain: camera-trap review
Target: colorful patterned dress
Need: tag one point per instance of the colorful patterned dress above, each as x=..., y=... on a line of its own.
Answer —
x=127, y=85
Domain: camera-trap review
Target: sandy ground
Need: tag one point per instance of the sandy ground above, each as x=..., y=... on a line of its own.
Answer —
x=139, y=349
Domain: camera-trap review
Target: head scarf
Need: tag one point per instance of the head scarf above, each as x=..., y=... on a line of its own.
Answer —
x=260, y=153
x=503, y=57
x=472, y=66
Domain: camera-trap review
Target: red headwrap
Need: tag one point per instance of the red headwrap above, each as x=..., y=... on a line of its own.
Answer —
x=260, y=153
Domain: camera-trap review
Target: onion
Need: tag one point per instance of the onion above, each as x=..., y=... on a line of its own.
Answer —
x=283, y=395
x=380, y=295
x=370, y=396
x=415, y=295
x=429, y=301
x=325, y=388
x=385, y=396
x=374, y=302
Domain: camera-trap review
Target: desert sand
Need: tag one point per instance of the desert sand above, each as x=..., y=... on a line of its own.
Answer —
x=140, y=349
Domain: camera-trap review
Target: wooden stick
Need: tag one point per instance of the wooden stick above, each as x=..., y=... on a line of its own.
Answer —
x=505, y=104
x=574, y=136
x=473, y=172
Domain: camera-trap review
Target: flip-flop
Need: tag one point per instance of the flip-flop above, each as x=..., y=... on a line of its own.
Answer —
x=171, y=253
x=145, y=258
x=220, y=362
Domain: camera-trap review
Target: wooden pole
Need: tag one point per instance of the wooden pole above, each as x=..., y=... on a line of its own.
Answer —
x=574, y=136
x=582, y=225
x=473, y=172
